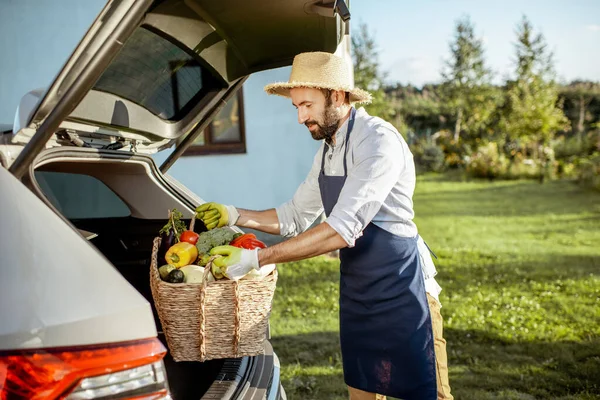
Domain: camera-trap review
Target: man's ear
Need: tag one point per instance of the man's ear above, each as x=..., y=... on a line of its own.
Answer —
x=338, y=97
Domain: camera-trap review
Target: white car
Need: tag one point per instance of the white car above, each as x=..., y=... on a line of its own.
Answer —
x=81, y=198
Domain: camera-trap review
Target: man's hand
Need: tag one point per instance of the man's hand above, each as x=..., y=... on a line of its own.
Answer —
x=215, y=215
x=235, y=262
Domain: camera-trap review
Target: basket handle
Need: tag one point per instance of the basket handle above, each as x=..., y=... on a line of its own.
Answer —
x=207, y=269
x=236, y=316
x=193, y=222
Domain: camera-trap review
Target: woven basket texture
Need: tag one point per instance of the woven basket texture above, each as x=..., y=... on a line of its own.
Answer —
x=209, y=320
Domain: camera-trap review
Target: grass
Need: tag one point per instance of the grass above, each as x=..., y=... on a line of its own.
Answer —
x=519, y=263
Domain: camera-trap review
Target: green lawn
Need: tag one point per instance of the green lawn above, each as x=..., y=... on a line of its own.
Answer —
x=519, y=263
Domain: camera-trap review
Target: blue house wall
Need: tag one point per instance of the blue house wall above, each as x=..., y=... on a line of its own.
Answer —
x=36, y=38
x=279, y=153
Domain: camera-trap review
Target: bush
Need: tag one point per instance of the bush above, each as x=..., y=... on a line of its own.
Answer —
x=523, y=169
x=454, y=151
x=492, y=163
x=431, y=158
x=566, y=169
x=487, y=162
x=569, y=148
x=454, y=160
x=574, y=147
x=589, y=171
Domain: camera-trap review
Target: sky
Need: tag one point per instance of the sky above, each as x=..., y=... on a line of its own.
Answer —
x=413, y=36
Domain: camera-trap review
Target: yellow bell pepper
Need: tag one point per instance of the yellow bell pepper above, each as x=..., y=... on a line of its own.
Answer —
x=181, y=254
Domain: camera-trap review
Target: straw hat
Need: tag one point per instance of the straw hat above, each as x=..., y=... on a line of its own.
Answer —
x=320, y=70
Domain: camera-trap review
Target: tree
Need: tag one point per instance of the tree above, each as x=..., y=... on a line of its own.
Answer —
x=466, y=82
x=418, y=112
x=367, y=74
x=532, y=113
x=580, y=94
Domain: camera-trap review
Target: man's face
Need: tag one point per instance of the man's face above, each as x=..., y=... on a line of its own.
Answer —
x=316, y=111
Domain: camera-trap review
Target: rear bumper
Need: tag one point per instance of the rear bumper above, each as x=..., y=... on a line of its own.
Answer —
x=247, y=378
x=264, y=381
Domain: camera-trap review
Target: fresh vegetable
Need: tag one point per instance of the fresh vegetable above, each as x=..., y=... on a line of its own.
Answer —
x=168, y=239
x=189, y=237
x=258, y=274
x=248, y=241
x=203, y=259
x=175, y=224
x=215, y=237
x=170, y=233
x=217, y=272
x=181, y=254
x=193, y=273
x=165, y=270
x=175, y=276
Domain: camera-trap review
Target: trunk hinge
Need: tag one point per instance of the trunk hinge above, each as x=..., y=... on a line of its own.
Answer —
x=330, y=8
x=70, y=136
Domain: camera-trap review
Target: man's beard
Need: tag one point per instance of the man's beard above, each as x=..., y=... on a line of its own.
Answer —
x=330, y=124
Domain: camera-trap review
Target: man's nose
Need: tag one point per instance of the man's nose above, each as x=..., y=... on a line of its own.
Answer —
x=302, y=115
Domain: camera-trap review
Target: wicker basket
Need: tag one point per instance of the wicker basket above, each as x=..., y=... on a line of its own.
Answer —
x=218, y=319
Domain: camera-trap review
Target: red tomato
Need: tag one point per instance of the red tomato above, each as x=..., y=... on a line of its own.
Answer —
x=189, y=237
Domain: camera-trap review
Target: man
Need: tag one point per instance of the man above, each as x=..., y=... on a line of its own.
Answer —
x=363, y=178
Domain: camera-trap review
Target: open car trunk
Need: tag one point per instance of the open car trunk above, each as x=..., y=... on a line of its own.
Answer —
x=83, y=186
x=147, y=76
x=152, y=74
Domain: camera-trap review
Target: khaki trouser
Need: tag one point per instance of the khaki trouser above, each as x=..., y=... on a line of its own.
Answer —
x=441, y=359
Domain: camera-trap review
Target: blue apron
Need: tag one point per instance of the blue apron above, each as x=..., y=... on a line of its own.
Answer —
x=385, y=326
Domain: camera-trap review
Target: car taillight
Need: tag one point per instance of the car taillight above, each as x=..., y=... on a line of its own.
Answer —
x=130, y=370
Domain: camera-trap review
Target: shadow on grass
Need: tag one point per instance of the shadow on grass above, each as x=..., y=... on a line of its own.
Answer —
x=481, y=364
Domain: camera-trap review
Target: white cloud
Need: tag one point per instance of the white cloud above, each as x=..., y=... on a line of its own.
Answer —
x=415, y=70
x=593, y=28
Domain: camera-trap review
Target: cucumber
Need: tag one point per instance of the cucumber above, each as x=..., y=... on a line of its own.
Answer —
x=175, y=276
x=165, y=270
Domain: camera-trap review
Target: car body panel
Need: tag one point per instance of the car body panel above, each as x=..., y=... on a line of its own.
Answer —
x=56, y=290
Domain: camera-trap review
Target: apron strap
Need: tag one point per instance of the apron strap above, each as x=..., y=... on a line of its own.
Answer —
x=429, y=248
x=326, y=146
x=350, y=126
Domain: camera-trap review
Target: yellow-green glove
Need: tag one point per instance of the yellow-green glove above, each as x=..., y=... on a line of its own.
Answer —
x=215, y=215
x=235, y=262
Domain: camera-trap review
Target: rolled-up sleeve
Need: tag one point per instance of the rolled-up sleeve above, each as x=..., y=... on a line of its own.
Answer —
x=378, y=161
x=298, y=214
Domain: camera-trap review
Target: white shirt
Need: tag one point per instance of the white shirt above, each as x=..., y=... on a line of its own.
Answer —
x=379, y=187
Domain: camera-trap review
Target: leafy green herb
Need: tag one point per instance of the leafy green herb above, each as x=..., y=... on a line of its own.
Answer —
x=175, y=223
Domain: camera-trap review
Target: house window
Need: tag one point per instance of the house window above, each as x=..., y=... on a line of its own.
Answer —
x=226, y=133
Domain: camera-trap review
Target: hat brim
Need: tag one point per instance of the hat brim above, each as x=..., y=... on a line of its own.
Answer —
x=357, y=96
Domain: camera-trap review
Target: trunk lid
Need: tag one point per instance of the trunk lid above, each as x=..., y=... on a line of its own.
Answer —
x=147, y=73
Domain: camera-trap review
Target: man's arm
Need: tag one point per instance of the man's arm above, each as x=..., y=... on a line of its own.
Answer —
x=316, y=241
x=264, y=221
x=293, y=217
